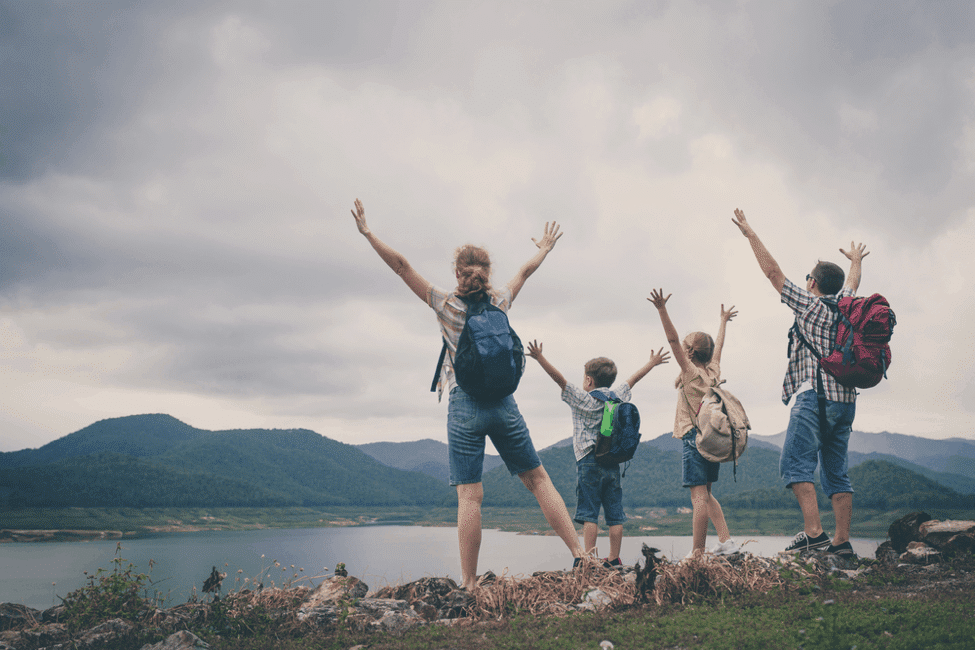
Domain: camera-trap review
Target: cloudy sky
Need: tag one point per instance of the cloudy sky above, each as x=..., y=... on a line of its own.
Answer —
x=176, y=180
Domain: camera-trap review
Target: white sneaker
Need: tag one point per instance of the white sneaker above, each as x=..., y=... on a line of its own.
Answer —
x=727, y=547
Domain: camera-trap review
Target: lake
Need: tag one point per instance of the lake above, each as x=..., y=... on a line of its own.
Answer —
x=33, y=574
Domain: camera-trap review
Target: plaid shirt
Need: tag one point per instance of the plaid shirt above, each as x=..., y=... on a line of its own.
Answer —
x=452, y=314
x=587, y=415
x=818, y=324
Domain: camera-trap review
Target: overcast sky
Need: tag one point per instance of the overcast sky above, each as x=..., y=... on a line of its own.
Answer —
x=176, y=182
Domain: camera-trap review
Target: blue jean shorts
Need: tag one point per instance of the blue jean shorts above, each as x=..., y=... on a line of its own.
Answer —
x=696, y=469
x=598, y=486
x=469, y=421
x=805, y=446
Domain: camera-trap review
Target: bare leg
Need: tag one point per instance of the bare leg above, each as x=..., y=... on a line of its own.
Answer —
x=700, y=498
x=806, y=495
x=539, y=484
x=843, y=509
x=615, y=541
x=589, y=533
x=469, y=499
x=717, y=518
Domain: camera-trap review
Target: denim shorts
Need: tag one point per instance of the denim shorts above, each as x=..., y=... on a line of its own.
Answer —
x=598, y=486
x=804, y=445
x=696, y=469
x=469, y=421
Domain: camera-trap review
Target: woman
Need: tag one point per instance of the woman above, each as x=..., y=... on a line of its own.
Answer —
x=469, y=421
x=699, y=358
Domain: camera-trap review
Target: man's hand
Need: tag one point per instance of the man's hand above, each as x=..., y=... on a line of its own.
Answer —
x=729, y=314
x=658, y=357
x=742, y=223
x=552, y=235
x=856, y=253
x=360, y=217
x=657, y=298
x=534, y=350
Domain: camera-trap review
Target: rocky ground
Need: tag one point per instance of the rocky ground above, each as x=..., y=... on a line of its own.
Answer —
x=923, y=559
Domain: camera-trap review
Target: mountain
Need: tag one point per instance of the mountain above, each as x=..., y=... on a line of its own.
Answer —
x=426, y=456
x=158, y=460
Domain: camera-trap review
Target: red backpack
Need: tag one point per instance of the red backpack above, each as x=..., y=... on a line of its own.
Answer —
x=861, y=352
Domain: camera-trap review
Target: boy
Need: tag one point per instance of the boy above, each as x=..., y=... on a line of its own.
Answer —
x=597, y=486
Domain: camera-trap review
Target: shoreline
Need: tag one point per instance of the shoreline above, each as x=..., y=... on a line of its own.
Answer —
x=58, y=535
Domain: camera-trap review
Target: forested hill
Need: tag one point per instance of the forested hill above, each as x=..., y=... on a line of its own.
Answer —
x=158, y=461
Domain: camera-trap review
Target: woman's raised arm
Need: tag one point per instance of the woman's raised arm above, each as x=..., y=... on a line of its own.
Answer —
x=393, y=259
x=545, y=245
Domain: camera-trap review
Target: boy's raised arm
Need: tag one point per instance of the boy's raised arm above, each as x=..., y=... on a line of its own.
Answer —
x=656, y=358
x=719, y=342
x=535, y=352
x=545, y=246
x=856, y=254
x=393, y=259
x=765, y=260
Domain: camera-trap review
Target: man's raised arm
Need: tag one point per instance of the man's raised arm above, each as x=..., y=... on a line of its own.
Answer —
x=765, y=260
x=856, y=254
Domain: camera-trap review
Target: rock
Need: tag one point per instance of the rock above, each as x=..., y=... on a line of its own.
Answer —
x=906, y=530
x=398, y=622
x=886, y=553
x=111, y=632
x=937, y=533
x=53, y=614
x=597, y=597
x=457, y=603
x=12, y=616
x=920, y=553
x=41, y=636
x=959, y=545
x=181, y=640
x=335, y=589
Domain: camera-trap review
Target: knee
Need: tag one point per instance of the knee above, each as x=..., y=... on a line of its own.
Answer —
x=534, y=478
x=470, y=494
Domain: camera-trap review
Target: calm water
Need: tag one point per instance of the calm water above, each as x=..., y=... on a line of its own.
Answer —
x=32, y=574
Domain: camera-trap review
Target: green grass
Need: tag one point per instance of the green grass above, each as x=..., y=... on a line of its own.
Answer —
x=663, y=521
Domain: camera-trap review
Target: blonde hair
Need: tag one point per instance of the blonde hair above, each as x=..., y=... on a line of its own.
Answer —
x=702, y=349
x=473, y=267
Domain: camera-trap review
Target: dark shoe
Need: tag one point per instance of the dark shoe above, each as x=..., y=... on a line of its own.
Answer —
x=803, y=542
x=576, y=562
x=844, y=550
x=614, y=563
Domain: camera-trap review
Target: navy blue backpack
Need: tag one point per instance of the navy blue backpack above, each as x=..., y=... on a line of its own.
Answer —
x=619, y=434
x=490, y=358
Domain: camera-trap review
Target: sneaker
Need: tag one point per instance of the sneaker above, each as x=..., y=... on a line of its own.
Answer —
x=576, y=562
x=844, y=550
x=609, y=564
x=727, y=547
x=803, y=542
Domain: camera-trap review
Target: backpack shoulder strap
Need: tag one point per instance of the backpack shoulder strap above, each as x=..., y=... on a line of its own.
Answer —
x=436, y=373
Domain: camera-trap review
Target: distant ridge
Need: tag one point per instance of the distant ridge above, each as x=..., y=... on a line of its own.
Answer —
x=427, y=456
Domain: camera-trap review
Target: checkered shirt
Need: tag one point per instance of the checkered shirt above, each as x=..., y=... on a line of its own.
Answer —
x=452, y=314
x=818, y=324
x=587, y=415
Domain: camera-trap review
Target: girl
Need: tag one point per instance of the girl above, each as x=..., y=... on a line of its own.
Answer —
x=469, y=421
x=699, y=358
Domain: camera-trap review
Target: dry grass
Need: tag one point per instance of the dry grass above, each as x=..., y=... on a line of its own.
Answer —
x=705, y=577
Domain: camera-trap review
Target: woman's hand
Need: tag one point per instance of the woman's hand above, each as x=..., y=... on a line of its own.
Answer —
x=657, y=298
x=360, y=217
x=552, y=234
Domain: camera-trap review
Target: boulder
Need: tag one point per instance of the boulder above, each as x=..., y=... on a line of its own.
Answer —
x=110, y=633
x=12, y=616
x=937, y=533
x=335, y=589
x=906, y=530
x=182, y=640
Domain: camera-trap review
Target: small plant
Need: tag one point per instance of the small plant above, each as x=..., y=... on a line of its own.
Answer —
x=119, y=593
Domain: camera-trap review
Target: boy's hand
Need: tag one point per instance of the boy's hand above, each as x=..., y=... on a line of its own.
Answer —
x=658, y=357
x=552, y=235
x=856, y=253
x=729, y=314
x=657, y=298
x=742, y=223
x=360, y=217
x=534, y=350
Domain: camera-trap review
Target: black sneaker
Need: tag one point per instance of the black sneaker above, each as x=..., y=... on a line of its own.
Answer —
x=803, y=542
x=844, y=550
x=615, y=563
x=576, y=562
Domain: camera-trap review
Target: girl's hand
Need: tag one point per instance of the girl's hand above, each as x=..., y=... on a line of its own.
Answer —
x=729, y=314
x=534, y=350
x=657, y=298
x=360, y=217
x=659, y=357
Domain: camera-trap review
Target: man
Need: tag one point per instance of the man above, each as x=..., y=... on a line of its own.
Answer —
x=813, y=431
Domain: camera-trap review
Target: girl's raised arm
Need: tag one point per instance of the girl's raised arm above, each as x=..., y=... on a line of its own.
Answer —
x=719, y=342
x=658, y=300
